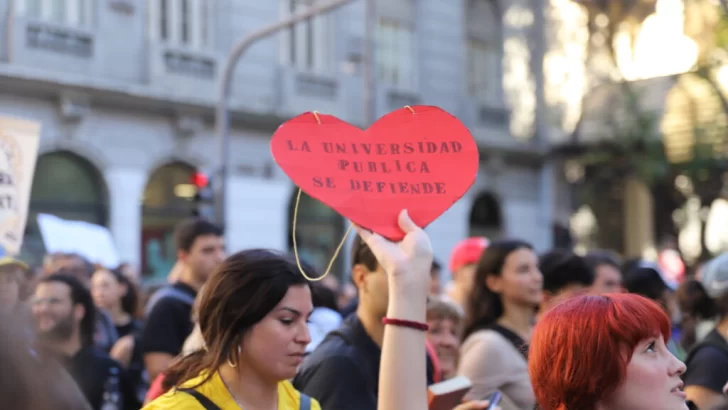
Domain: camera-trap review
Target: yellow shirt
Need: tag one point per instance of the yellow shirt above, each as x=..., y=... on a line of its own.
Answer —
x=214, y=389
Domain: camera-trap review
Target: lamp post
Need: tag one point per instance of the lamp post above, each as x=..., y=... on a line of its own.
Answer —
x=369, y=65
x=222, y=115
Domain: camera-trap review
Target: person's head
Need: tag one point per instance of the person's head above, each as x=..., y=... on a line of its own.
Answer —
x=71, y=264
x=715, y=282
x=52, y=262
x=323, y=296
x=12, y=283
x=694, y=300
x=128, y=270
x=464, y=260
x=565, y=274
x=200, y=247
x=62, y=307
x=605, y=352
x=112, y=290
x=506, y=274
x=435, y=279
x=370, y=280
x=607, y=273
x=646, y=279
x=445, y=320
x=252, y=314
x=330, y=281
x=347, y=294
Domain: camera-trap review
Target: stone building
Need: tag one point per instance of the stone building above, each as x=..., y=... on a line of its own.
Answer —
x=126, y=92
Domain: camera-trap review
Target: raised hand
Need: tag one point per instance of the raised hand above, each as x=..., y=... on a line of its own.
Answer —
x=409, y=260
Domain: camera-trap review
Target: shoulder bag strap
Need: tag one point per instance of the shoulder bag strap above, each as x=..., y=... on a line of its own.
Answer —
x=512, y=337
x=204, y=401
x=305, y=402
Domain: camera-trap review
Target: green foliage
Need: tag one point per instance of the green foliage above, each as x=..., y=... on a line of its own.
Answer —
x=721, y=30
x=631, y=147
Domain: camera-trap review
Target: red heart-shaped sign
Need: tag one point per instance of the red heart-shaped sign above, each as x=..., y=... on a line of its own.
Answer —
x=418, y=158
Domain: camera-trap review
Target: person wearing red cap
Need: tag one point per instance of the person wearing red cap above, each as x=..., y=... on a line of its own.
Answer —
x=463, y=261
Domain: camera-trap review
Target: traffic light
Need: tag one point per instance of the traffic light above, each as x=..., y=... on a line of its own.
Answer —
x=204, y=199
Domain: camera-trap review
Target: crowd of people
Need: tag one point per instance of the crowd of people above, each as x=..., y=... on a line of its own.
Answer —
x=555, y=331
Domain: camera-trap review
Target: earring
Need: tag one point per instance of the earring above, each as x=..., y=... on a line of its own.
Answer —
x=230, y=363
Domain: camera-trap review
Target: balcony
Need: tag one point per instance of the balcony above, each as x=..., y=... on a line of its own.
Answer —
x=40, y=44
x=59, y=40
x=489, y=123
x=335, y=94
x=182, y=72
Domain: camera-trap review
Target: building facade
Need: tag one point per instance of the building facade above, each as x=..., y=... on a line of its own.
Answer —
x=126, y=92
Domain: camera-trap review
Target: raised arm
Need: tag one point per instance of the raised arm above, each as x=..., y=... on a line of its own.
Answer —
x=403, y=373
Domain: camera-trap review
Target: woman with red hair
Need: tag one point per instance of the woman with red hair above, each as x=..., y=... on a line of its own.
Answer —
x=605, y=352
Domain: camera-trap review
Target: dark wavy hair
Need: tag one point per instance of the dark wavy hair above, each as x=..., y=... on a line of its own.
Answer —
x=245, y=288
x=484, y=306
x=80, y=295
x=130, y=301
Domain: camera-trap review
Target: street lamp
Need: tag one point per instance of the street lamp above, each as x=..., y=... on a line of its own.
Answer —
x=222, y=115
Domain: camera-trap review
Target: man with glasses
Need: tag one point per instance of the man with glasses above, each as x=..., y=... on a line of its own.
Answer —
x=63, y=313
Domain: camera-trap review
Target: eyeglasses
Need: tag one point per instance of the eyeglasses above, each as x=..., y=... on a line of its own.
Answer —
x=50, y=301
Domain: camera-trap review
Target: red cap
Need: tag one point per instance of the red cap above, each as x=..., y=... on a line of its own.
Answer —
x=467, y=251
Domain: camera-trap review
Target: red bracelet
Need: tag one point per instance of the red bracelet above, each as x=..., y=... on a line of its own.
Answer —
x=405, y=323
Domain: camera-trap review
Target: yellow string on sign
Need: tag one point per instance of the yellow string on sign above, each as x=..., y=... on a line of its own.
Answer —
x=293, y=234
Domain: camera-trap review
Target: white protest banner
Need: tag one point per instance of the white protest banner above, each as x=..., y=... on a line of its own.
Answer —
x=18, y=151
x=93, y=242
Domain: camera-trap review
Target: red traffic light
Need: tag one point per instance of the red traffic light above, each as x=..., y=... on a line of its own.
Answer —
x=200, y=180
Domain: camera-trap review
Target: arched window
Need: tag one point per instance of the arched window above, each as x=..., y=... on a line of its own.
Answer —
x=167, y=201
x=484, y=50
x=319, y=230
x=485, y=217
x=69, y=187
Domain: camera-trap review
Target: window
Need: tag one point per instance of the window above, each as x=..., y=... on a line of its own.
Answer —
x=305, y=45
x=69, y=12
x=181, y=22
x=67, y=186
x=395, y=53
x=164, y=205
x=394, y=47
x=483, y=50
x=483, y=71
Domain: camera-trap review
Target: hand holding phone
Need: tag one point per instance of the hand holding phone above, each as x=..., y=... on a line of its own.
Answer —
x=489, y=403
x=494, y=399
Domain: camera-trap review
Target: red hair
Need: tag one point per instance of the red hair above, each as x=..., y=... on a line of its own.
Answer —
x=580, y=348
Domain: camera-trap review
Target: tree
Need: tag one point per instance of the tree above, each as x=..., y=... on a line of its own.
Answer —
x=629, y=144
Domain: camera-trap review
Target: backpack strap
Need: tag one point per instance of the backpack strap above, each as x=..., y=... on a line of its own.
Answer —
x=201, y=398
x=305, y=402
x=168, y=292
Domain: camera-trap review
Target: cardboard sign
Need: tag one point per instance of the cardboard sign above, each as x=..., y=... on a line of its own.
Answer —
x=93, y=242
x=18, y=151
x=421, y=159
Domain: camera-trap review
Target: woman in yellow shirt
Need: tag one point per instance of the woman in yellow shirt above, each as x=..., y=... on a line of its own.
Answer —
x=252, y=316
